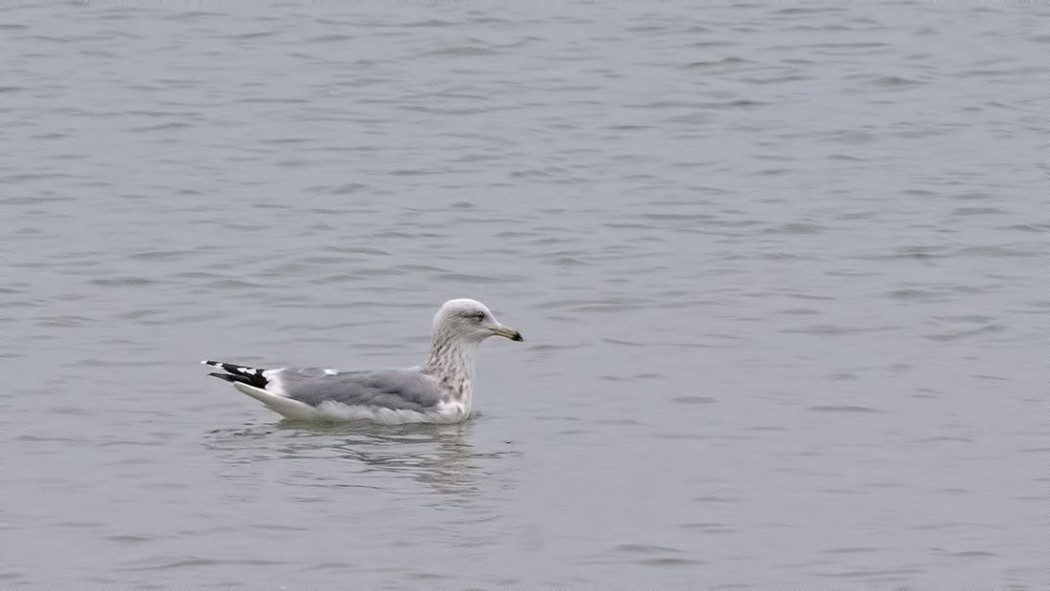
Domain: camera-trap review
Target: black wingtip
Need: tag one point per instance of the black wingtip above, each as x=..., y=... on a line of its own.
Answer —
x=238, y=373
x=229, y=377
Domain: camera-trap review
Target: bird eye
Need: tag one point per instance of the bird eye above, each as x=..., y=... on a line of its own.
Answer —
x=479, y=316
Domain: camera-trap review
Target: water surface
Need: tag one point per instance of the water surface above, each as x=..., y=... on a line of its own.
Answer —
x=780, y=270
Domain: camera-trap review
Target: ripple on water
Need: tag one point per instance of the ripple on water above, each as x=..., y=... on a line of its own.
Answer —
x=846, y=408
x=646, y=555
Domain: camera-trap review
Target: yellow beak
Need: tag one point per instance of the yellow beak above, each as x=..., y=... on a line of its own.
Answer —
x=510, y=333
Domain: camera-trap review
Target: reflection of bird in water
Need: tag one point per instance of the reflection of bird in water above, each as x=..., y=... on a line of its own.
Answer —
x=440, y=391
x=439, y=456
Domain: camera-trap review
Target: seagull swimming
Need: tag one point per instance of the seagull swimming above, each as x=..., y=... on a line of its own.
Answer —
x=440, y=391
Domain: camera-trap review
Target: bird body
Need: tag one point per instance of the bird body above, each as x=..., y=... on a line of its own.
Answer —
x=440, y=391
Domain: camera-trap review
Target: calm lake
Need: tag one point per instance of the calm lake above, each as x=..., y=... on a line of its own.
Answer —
x=781, y=269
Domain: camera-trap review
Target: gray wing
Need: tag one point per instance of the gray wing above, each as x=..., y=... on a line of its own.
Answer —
x=398, y=389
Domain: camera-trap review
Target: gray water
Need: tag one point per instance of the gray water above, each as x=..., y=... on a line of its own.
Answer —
x=781, y=270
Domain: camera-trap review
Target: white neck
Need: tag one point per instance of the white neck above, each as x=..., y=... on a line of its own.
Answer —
x=452, y=363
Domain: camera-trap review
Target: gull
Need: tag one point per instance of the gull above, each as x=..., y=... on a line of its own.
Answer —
x=439, y=391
